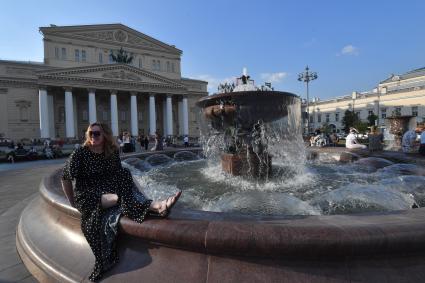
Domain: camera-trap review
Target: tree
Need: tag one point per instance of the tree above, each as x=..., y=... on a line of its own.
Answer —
x=326, y=128
x=372, y=118
x=350, y=118
x=121, y=57
x=362, y=127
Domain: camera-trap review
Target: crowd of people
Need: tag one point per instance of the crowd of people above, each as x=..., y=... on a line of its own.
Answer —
x=412, y=141
x=127, y=143
x=322, y=139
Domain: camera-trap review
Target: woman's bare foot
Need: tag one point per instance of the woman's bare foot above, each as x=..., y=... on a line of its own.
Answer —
x=163, y=207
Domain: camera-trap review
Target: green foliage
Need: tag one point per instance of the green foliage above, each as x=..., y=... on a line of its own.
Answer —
x=372, y=118
x=362, y=127
x=121, y=57
x=326, y=128
x=349, y=120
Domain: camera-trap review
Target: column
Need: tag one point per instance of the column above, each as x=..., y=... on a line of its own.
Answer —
x=74, y=99
x=134, y=120
x=180, y=110
x=92, y=106
x=69, y=114
x=43, y=111
x=50, y=113
x=114, y=113
x=185, y=117
x=164, y=117
x=169, y=116
x=152, y=115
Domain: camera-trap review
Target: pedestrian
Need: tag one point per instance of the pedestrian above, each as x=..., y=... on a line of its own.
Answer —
x=146, y=143
x=186, y=141
x=351, y=140
x=408, y=142
x=422, y=141
x=141, y=140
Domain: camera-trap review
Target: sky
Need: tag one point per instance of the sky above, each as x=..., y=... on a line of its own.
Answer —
x=351, y=45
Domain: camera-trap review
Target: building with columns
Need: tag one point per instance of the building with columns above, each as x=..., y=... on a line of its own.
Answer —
x=397, y=95
x=78, y=83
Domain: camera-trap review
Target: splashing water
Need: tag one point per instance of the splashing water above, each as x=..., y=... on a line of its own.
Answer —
x=294, y=187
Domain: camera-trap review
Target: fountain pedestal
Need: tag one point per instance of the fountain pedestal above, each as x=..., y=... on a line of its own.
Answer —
x=246, y=165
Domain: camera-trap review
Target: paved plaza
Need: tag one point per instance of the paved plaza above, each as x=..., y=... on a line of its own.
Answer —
x=19, y=184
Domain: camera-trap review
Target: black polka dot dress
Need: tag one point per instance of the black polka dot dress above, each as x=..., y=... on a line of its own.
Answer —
x=95, y=174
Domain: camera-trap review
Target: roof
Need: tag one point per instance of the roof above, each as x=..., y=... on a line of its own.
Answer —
x=408, y=75
x=98, y=27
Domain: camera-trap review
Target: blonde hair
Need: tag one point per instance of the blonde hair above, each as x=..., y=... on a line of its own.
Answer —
x=109, y=144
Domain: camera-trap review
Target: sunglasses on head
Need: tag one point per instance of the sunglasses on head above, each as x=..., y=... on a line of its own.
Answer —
x=94, y=134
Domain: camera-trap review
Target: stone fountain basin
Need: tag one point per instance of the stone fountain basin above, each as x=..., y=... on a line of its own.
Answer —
x=252, y=106
x=197, y=246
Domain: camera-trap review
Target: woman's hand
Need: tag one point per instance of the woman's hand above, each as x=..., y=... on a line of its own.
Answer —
x=109, y=200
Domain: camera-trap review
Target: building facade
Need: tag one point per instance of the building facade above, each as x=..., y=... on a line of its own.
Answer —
x=79, y=83
x=397, y=95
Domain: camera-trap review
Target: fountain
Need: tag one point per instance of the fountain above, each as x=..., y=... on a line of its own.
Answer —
x=239, y=114
x=343, y=216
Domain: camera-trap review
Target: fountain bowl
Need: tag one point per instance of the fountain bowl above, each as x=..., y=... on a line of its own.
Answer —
x=245, y=107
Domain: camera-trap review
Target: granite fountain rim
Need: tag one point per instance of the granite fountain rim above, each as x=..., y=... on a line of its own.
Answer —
x=270, y=236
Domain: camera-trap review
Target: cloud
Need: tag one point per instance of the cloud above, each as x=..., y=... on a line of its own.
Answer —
x=348, y=50
x=273, y=77
x=213, y=82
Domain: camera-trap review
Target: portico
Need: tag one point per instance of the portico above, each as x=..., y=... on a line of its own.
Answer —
x=126, y=98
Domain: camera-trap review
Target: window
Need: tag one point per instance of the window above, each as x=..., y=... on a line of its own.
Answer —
x=172, y=67
x=311, y=119
x=104, y=115
x=23, y=113
x=371, y=113
x=57, y=52
x=140, y=116
x=63, y=55
x=156, y=65
x=327, y=118
x=319, y=118
x=415, y=111
x=123, y=115
x=383, y=113
x=85, y=115
x=77, y=55
x=336, y=117
x=110, y=59
x=168, y=67
x=83, y=55
x=140, y=62
x=100, y=58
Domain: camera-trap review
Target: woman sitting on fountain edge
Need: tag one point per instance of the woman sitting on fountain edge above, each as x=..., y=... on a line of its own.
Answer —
x=104, y=191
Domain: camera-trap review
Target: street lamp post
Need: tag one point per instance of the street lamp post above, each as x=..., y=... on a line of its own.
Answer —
x=306, y=77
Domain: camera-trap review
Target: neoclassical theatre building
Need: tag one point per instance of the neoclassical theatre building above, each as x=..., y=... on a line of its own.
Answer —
x=79, y=83
x=397, y=95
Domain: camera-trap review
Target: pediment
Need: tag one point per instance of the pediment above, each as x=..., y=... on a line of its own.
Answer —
x=110, y=72
x=116, y=34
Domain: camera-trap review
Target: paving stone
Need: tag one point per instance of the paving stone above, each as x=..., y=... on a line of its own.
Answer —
x=14, y=273
x=18, y=188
